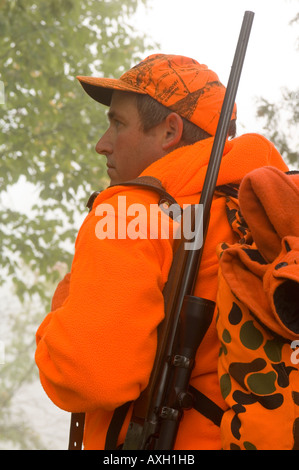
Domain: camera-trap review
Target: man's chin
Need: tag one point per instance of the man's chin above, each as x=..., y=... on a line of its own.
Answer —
x=112, y=175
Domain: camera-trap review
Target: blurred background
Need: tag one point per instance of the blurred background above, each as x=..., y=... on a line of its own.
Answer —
x=49, y=128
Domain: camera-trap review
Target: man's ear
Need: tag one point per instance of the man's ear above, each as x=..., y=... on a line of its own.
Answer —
x=173, y=131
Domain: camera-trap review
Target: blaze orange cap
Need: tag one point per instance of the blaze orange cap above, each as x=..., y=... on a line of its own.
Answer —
x=181, y=84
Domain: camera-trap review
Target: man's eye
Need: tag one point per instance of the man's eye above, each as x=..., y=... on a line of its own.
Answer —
x=116, y=123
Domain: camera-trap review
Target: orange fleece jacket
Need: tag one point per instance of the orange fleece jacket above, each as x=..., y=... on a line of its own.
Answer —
x=96, y=350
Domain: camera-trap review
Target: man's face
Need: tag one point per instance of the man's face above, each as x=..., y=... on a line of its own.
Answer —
x=127, y=148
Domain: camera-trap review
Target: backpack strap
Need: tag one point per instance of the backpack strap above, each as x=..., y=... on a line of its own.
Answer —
x=166, y=202
x=233, y=213
x=230, y=190
x=151, y=183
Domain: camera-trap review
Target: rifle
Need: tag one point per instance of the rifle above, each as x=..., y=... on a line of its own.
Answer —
x=158, y=411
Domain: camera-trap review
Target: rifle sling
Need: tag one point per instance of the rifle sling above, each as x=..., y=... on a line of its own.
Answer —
x=202, y=404
x=76, y=431
x=206, y=407
x=115, y=426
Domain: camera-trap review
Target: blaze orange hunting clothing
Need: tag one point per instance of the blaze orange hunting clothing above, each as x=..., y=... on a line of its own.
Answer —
x=95, y=351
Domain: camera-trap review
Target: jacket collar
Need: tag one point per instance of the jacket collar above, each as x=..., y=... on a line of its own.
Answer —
x=182, y=171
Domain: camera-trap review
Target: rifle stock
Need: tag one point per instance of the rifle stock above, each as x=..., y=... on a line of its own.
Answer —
x=158, y=411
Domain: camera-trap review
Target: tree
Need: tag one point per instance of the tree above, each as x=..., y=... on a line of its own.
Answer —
x=17, y=370
x=281, y=121
x=49, y=127
x=49, y=130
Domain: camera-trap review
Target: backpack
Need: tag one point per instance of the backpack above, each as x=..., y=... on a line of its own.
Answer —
x=258, y=315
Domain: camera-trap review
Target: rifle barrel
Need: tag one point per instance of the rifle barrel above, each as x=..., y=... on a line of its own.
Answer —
x=219, y=142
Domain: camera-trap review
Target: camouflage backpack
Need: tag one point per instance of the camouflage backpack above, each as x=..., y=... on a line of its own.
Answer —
x=258, y=315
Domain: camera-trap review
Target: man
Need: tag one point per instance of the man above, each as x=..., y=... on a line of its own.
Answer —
x=96, y=348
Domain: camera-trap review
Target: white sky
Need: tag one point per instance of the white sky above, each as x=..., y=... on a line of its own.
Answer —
x=207, y=30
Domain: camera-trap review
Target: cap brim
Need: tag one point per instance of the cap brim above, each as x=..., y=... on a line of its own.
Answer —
x=101, y=89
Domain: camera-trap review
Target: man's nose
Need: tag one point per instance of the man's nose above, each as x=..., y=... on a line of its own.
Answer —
x=104, y=145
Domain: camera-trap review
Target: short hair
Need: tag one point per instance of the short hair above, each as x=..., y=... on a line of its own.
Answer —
x=152, y=113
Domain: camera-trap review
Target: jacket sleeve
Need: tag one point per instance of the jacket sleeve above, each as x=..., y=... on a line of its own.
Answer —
x=98, y=348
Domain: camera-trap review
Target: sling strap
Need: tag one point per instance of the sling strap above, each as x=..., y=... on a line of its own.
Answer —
x=206, y=407
x=202, y=404
x=115, y=426
x=76, y=431
x=166, y=202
